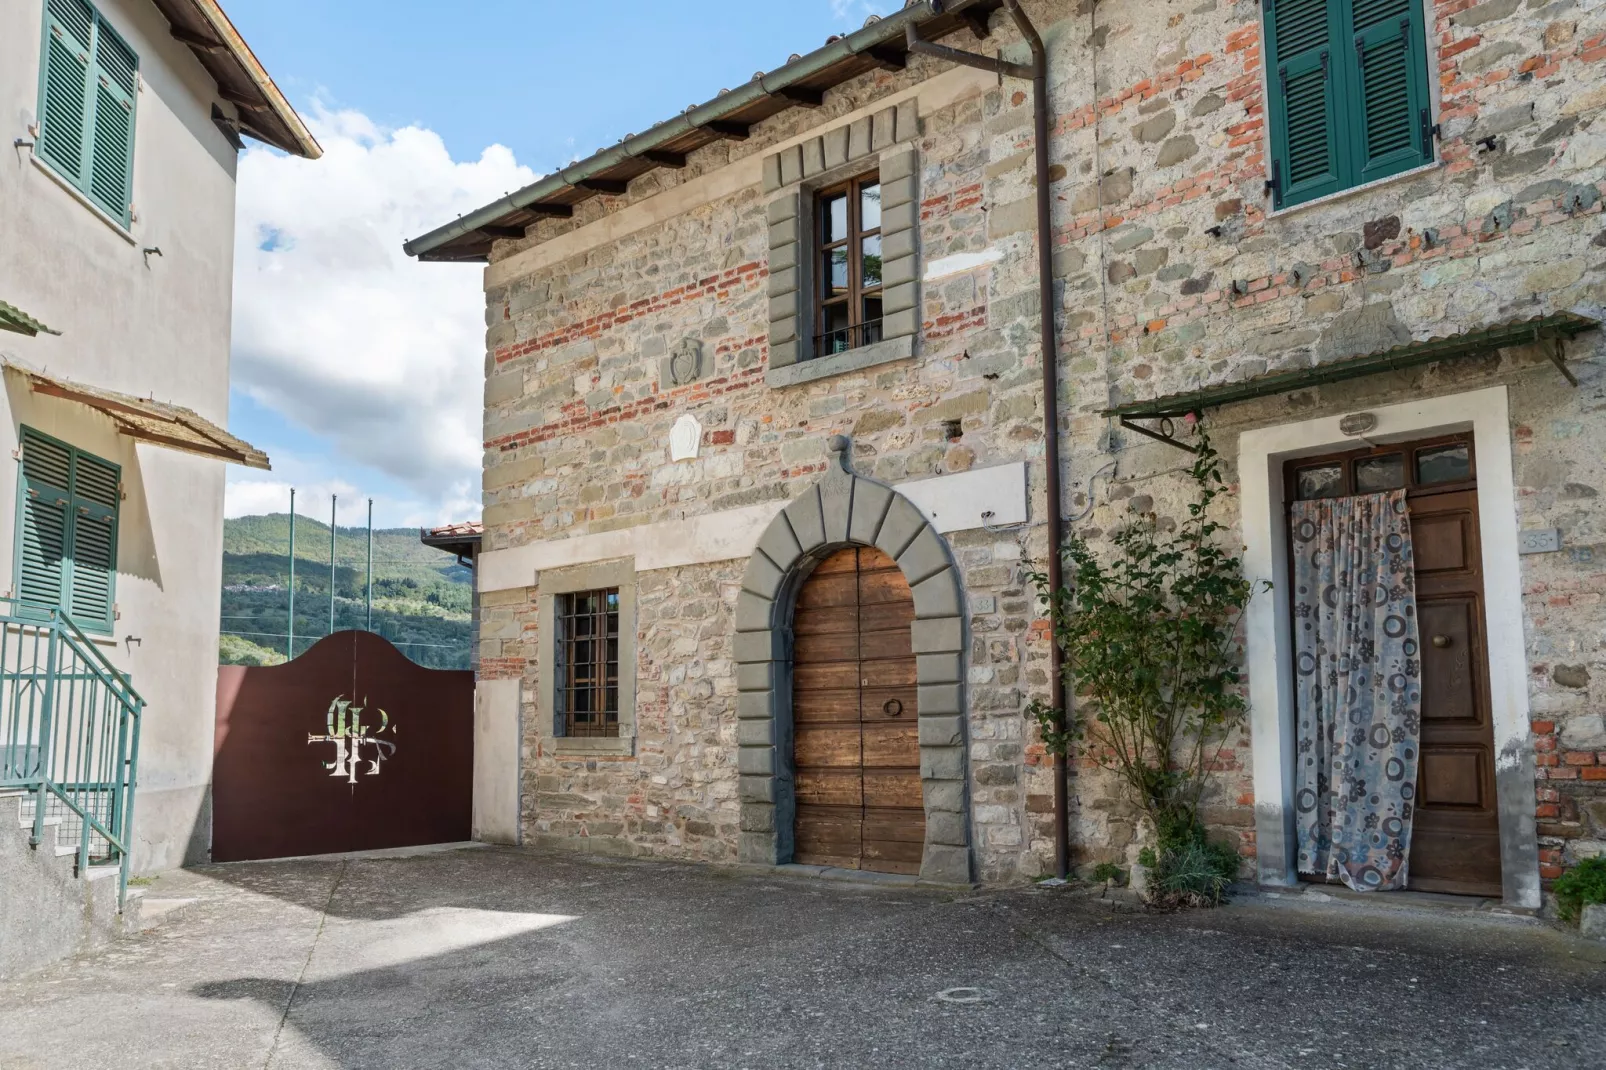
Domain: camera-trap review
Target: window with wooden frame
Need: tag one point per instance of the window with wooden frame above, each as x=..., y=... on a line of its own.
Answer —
x=88, y=87
x=847, y=312
x=586, y=662
x=1430, y=466
x=1349, y=94
x=66, y=542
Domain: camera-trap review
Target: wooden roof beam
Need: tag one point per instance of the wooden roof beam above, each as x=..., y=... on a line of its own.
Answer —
x=886, y=58
x=731, y=131
x=805, y=98
x=197, y=41
x=494, y=230
x=664, y=158
x=612, y=186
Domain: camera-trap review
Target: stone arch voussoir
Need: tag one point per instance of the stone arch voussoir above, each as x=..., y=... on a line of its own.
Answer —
x=846, y=510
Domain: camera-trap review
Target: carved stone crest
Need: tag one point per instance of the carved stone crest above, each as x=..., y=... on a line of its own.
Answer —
x=684, y=363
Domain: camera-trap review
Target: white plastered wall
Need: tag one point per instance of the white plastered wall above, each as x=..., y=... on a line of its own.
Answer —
x=1261, y=454
x=148, y=325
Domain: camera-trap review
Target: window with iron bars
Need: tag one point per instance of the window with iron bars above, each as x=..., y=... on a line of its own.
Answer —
x=847, y=311
x=587, y=669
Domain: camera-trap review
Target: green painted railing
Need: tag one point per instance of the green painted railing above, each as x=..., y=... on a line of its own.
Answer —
x=69, y=734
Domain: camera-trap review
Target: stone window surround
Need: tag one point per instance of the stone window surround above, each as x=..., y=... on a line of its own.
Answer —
x=1261, y=453
x=880, y=142
x=846, y=510
x=620, y=573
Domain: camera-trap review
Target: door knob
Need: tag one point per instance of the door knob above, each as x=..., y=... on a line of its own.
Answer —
x=1441, y=641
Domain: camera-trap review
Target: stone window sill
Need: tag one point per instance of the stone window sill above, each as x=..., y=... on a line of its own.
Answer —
x=808, y=371
x=582, y=745
x=1355, y=191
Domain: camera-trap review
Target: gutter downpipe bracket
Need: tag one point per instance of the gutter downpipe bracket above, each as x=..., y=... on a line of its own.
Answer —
x=1037, y=72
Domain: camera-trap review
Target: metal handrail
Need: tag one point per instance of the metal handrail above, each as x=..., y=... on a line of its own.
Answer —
x=69, y=731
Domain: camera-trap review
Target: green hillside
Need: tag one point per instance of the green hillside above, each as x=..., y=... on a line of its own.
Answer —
x=421, y=595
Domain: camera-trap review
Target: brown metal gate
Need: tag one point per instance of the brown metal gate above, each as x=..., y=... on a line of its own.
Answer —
x=349, y=747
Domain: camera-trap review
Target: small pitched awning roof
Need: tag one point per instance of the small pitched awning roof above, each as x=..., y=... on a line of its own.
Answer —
x=1556, y=326
x=156, y=422
x=461, y=539
x=15, y=319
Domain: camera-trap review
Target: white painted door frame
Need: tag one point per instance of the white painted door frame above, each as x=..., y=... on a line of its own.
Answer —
x=1261, y=454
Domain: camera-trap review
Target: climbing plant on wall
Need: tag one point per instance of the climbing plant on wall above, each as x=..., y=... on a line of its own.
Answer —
x=1149, y=627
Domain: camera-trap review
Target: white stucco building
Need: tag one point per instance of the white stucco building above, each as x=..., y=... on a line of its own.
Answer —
x=117, y=204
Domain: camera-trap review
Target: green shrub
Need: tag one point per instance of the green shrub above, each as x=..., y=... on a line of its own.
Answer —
x=1583, y=885
x=1108, y=872
x=1149, y=624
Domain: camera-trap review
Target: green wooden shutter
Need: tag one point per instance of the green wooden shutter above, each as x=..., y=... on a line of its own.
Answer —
x=1306, y=92
x=67, y=532
x=43, y=519
x=64, y=109
x=1390, y=129
x=92, y=577
x=114, y=80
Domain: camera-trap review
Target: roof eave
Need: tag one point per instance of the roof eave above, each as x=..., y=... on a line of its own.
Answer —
x=263, y=111
x=889, y=32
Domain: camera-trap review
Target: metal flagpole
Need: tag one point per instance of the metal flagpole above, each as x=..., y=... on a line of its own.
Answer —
x=332, y=499
x=290, y=631
x=370, y=597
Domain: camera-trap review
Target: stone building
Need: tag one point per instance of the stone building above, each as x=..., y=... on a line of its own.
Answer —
x=695, y=395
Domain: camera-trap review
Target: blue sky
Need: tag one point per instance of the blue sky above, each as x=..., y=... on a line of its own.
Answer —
x=370, y=386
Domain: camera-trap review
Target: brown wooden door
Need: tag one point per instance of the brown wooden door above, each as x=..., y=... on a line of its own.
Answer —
x=1455, y=837
x=1455, y=841
x=856, y=747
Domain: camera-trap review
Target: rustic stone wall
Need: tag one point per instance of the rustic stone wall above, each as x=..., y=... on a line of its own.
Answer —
x=1172, y=273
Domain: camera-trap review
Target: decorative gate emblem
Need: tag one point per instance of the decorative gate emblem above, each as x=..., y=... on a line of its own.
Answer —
x=349, y=734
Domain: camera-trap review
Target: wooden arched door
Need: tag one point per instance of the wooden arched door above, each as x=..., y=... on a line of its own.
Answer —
x=856, y=736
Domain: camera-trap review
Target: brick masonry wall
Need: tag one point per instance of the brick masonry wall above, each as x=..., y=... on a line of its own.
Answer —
x=1159, y=212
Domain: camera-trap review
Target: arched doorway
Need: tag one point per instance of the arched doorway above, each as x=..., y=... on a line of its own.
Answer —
x=844, y=514
x=855, y=716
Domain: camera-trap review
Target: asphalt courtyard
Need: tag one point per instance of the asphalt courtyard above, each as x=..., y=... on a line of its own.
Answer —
x=491, y=957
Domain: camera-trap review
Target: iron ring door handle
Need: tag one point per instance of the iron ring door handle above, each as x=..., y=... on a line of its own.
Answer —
x=892, y=708
x=1441, y=641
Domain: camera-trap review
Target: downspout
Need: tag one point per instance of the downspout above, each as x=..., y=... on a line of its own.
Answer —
x=1037, y=71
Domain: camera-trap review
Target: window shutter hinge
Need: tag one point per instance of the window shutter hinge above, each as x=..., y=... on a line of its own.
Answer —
x=1430, y=130
x=1324, y=62
x=1271, y=183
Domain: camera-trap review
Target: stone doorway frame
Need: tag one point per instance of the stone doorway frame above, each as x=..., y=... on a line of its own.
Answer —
x=840, y=511
x=1261, y=454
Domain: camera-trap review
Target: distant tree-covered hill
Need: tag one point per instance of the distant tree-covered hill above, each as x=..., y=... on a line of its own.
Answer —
x=421, y=595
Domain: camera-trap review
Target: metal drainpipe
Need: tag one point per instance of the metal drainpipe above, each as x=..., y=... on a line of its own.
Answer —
x=1037, y=71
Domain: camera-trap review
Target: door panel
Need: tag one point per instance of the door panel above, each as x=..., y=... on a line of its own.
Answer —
x=856, y=750
x=1455, y=838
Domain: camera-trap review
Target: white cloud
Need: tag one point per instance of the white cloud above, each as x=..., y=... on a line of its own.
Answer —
x=341, y=333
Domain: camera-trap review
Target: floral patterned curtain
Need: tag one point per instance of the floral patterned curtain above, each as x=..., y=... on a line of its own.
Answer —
x=1358, y=683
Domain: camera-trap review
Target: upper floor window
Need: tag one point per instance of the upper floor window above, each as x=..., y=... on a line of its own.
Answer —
x=848, y=291
x=1348, y=92
x=66, y=554
x=88, y=78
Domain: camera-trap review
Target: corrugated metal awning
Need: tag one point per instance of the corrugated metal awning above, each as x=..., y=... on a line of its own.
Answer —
x=156, y=422
x=15, y=319
x=1556, y=326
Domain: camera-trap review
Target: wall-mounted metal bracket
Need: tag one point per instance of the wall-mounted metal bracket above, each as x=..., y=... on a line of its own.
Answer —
x=1558, y=357
x=1163, y=431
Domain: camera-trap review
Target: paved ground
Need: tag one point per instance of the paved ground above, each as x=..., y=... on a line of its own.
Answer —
x=501, y=958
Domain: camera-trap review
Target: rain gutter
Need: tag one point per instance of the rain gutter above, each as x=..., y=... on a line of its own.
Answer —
x=889, y=30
